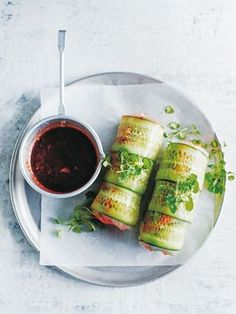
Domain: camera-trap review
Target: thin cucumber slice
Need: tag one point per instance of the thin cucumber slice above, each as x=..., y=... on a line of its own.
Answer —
x=118, y=203
x=139, y=135
x=159, y=204
x=163, y=231
x=181, y=160
x=111, y=221
x=154, y=248
x=136, y=181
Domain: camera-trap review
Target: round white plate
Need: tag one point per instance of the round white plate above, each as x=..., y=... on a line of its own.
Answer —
x=26, y=202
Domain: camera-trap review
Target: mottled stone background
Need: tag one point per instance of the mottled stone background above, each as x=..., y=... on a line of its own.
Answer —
x=189, y=42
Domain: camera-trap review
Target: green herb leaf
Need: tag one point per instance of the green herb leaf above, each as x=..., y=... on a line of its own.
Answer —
x=147, y=163
x=82, y=219
x=59, y=233
x=174, y=125
x=58, y=221
x=231, y=177
x=182, y=133
x=217, y=175
x=171, y=202
x=199, y=142
x=196, y=187
x=169, y=109
x=194, y=130
x=216, y=181
x=132, y=165
x=214, y=144
x=106, y=161
x=76, y=229
x=189, y=204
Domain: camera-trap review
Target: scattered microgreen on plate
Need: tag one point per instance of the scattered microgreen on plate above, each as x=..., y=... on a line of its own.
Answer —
x=82, y=219
x=169, y=109
x=176, y=132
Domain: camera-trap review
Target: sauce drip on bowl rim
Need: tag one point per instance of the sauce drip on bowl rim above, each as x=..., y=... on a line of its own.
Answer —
x=63, y=158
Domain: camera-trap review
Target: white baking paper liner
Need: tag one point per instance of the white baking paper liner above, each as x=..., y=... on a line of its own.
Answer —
x=102, y=107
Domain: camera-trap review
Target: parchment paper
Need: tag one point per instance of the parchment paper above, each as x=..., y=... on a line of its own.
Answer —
x=102, y=107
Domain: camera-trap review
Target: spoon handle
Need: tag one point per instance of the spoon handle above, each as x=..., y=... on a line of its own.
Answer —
x=61, y=47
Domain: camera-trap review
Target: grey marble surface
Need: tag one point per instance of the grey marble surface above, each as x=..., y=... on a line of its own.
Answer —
x=191, y=43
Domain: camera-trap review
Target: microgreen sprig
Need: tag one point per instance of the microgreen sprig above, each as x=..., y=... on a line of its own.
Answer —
x=107, y=161
x=130, y=164
x=169, y=109
x=181, y=133
x=217, y=175
x=182, y=193
x=82, y=219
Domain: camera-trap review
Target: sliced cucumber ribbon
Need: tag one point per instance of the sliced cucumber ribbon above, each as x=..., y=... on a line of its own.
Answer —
x=118, y=203
x=163, y=231
x=180, y=160
x=140, y=136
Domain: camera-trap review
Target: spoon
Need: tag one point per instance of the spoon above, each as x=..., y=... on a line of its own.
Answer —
x=61, y=48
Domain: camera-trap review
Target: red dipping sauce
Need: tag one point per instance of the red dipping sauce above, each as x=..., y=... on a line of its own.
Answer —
x=63, y=159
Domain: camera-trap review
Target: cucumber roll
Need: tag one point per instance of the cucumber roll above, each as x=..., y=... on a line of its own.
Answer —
x=133, y=154
x=120, y=204
x=139, y=135
x=162, y=231
x=177, y=200
x=180, y=160
x=129, y=171
x=179, y=181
